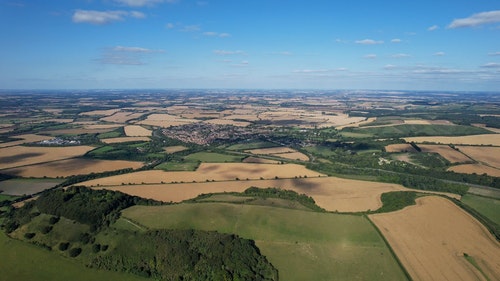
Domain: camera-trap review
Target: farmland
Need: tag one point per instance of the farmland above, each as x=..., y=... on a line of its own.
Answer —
x=352, y=155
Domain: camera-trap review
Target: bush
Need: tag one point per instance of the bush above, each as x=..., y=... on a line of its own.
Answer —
x=29, y=235
x=63, y=246
x=46, y=229
x=74, y=252
x=96, y=248
x=53, y=220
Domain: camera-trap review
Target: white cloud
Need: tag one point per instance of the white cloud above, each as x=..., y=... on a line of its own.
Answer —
x=432, y=28
x=396, y=40
x=369, y=42
x=389, y=66
x=370, y=56
x=494, y=54
x=399, y=56
x=477, y=19
x=227, y=53
x=491, y=65
x=141, y=3
x=103, y=17
x=439, y=54
x=121, y=55
x=135, y=50
x=191, y=28
x=216, y=34
x=309, y=71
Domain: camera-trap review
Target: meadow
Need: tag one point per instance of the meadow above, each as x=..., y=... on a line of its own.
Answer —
x=302, y=245
x=489, y=207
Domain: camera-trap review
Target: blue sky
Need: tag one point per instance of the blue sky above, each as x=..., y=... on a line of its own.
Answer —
x=316, y=44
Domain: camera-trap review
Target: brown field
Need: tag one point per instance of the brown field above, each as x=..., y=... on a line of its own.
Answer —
x=446, y=152
x=293, y=156
x=271, y=150
x=489, y=139
x=166, y=120
x=252, y=159
x=330, y=193
x=228, y=122
x=101, y=112
x=137, y=131
x=476, y=168
x=400, y=147
x=174, y=149
x=431, y=238
x=489, y=156
x=124, y=139
x=16, y=156
x=25, y=139
x=70, y=167
x=209, y=171
x=121, y=117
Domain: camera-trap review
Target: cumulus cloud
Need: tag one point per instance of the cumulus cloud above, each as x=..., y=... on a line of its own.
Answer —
x=104, y=17
x=216, y=34
x=477, y=20
x=369, y=42
x=141, y=3
x=432, y=28
x=228, y=53
x=491, y=65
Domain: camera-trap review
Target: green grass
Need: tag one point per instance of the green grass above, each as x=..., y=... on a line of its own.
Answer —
x=356, y=135
x=302, y=245
x=177, y=166
x=4, y=197
x=488, y=207
x=25, y=262
x=213, y=157
x=251, y=145
x=27, y=186
x=412, y=130
x=108, y=135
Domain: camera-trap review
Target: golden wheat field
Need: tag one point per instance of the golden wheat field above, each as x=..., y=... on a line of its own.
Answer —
x=400, y=147
x=28, y=138
x=136, y=131
x=166, y=120
x=124, y=139
x=293, y=156
x=228, y=122
x=121, y=117
x=487, y=155
x=16, y=156
x=476, y=168
x=210, y=172
x=446, y=152
x=330, y=193
x=174, y=149
x=487, y=139
x=432, y=237
x=70, y=167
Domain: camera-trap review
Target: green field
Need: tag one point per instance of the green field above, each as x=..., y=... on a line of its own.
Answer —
x=27, y=186
x=413, y=130
x=302, y=245
x=488, y=207
x=25, y=262
x=251, y=145
x=212, y=157
x=177, y=166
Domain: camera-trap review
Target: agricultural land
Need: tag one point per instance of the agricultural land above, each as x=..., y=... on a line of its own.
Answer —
x=249, y=185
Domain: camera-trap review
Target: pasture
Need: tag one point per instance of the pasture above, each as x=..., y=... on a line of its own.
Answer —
x=302, y=245
x=488, y=207
x=432, y=238
x=483, y=139
x=16, y=156
x=71, y=167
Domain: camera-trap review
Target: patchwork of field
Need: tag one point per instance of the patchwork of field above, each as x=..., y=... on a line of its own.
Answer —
x=70, y=167
x=124, y=139
x=488, y=139
x=400, y=147
x=107, y=112
x=446, y=152
x=228, y=122
x=258, y=160
x=166, y=120
x=20, y=187
x=16, y=156
x=209, y=172
x=121, y=117
x=29, y=138
x=302, y=245
x=136, y=131
x=330, y=193
x=476, y=168
x=436, y=240
x=283, y=152
x=357, y=124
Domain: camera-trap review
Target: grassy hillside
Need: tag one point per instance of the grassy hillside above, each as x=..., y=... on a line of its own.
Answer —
x=302, y=245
